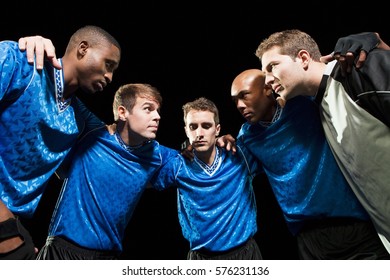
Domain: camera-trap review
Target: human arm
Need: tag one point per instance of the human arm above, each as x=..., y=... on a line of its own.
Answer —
x=353, y=49
x=165, y=175
x=86, y=122
x=187, y=151
x=228, y=142
x=111, y=128
x=38, y=46
x=369, y=86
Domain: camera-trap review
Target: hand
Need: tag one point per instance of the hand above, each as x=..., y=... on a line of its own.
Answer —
x=346, y=61
x=111, y=128
x=187, y=150
x=354, y=46
x=38, y=46
x=228, y=142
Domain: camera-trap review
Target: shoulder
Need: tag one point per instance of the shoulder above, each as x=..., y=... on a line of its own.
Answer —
x=165, y=151
x=377, y=61
x=12, y=58
x=10, y=49
x=9, y=44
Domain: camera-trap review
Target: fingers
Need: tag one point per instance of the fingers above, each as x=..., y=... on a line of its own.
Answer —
x=187, y=151
x=227, y=142
x=230, y=138
x=37, y=46
x=188, y=155
x=221, y=142
x=349, y=60
x=231, y=147
x=51, y=53
x=230, y=143
x=327, y=58
x=111, y=128
x=33, y=47
x=362, y=58
x=346, y=62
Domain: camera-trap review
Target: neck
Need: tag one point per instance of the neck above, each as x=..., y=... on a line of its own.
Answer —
x=208, y=156
x=128, y=137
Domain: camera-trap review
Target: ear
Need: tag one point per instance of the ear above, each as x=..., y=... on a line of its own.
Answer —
x=122, y=113
x=217, y=130
x=305, y=58
x=82, y=48
x=186, y=131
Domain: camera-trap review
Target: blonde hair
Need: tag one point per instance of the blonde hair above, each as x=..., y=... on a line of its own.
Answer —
x=126, y=96
x=290, y=43
x=201, y=104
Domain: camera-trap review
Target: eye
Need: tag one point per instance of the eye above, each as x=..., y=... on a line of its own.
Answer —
x=207, y=125
x=270, y=67
x=193, y=127
x=240, y=96
x=148, y=108
x=110, y=66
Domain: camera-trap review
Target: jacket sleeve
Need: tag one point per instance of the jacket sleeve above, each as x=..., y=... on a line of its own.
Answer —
x=369, y=86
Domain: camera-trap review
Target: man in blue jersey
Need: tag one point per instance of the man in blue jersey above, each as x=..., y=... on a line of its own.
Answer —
x=40, y=120
x=107, y=175
x=354, y=110
x=91, y=215
x=319, y=206
x=216, y=202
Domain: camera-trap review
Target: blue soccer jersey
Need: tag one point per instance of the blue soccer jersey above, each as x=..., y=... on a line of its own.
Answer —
x=216, y=204
x=300, y=166
x=37, y=128
x=106, y=181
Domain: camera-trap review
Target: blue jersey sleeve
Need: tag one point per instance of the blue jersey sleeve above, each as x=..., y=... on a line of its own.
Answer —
x=15, y=71
x=165, y=175
x=86, y=120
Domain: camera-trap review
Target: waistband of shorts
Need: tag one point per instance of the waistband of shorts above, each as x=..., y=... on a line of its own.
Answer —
x=209, y=253
x=60, y=241
x=330, y=222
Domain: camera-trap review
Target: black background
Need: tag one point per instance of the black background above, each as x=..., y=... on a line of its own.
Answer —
x=186, y=49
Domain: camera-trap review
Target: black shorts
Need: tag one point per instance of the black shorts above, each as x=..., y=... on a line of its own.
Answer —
x=11, y=228
x=340, y=239
x=248, y=251
x=58, y=248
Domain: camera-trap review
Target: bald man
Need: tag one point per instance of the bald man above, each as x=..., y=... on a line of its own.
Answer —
x=318, y=205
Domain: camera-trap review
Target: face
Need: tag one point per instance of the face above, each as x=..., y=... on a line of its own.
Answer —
x=142, y=122
x=283, y=73
x=201, y=130
x=253, y=99
x=97, y=67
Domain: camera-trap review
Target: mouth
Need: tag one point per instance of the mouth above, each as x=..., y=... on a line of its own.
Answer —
x=100, y=86
x=198, y=143
x=247, y=115
x=153, y=129
x=278, y=89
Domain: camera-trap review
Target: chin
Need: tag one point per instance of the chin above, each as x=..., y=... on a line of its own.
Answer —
x=251, y=121
x=152, y=136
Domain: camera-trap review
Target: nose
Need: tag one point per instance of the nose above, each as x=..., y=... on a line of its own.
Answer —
x=240, y=103
x=108, y=76
x=269, y=79
x=199, y=134
x=157, y=115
